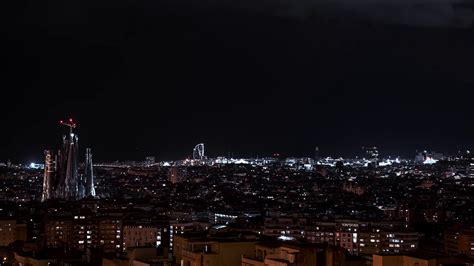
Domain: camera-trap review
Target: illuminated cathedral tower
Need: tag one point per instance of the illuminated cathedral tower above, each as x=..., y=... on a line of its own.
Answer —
x=61, y=174
x=89, y=175
x=69, y=186
x=49, y=172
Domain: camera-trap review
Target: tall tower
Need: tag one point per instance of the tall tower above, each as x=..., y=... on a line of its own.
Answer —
x=48, y=175
x=89, y=175
x=69, y=185
x=68, y=178
x=61, y=177
x=198, y=152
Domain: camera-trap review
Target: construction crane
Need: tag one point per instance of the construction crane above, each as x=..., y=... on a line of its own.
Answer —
x=71, y=124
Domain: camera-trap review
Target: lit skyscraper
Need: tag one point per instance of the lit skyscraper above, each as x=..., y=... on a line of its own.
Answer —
x=198, y=152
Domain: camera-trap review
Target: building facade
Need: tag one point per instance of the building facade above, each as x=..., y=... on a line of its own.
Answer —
x=459, y=240
x=10, y=231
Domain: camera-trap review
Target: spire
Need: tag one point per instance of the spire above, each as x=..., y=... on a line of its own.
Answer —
x=71, y=183
x=69, y=186
x=61, y=175
x=89, y=175
x=48, y=174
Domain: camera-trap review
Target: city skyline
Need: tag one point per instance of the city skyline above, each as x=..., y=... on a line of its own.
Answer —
x=355, y=152
x=352, y=151
x=237, y=133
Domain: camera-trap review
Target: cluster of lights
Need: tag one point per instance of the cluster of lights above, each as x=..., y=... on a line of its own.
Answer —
x=430, y=160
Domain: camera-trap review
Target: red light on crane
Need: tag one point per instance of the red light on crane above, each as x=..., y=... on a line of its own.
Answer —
x=69, y=124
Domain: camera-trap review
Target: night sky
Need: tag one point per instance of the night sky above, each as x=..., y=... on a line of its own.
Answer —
x=156, y=77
